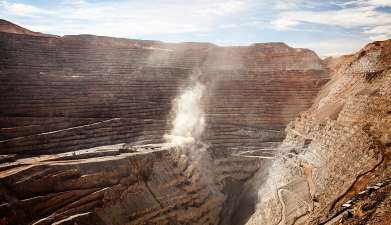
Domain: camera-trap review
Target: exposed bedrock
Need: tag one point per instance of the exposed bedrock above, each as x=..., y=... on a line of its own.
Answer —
x=74, y=92
x=83, y=117
x=154, y=184
x=334, y=165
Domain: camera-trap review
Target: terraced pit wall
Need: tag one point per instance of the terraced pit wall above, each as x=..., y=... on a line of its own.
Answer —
x=68, y=105
x=73, y=92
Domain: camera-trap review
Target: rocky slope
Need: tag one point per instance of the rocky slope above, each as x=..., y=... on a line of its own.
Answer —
x=83, y=118
x=73, y=92
x=6, y=26
x=334, y=165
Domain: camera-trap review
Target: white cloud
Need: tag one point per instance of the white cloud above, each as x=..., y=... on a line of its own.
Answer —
x=379, y=33
x=347, y=18
x=332, y=47
x=77, y=3
x=284, y=24
x=375, y=3
x=126, y=18
x=361, y=15
x=208, y=20
x=74, y=2
x=380, y=37
x=20, y=9
x=384, y=29
x=223, y=7
x=287, y=4
x=378, y=3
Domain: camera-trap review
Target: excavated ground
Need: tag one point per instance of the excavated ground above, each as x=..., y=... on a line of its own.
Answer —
x=334, y=165
x=82, y=120
x=159, y=184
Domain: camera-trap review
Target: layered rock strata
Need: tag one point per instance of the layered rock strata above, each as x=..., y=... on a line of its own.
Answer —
x=74, y=92
x=69, y=104
x=334, y=150
x=119, y=184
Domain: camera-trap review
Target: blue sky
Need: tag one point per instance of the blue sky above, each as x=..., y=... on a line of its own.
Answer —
x=328, y=27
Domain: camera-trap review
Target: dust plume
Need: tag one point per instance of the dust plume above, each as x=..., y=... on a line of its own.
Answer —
x=189, y=120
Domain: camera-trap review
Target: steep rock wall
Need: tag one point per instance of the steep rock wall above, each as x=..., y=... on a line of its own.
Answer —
x=69, y=103
x=335, y=160
x=76, y=92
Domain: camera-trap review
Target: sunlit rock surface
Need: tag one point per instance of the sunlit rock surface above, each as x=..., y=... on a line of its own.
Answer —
x=153, y=184
x=334, y=165
x=73, y=92
x=6, y=26
x=83, y=120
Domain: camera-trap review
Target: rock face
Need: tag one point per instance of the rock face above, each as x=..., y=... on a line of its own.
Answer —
x=334, y=165
x=82, y=120
x=74, y=92
x=113, y=185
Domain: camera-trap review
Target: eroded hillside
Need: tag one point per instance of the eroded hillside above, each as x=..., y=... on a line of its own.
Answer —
x=83, y=120
x=334, y=165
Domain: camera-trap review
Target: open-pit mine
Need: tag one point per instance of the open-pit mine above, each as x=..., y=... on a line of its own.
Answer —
x=110, y=131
